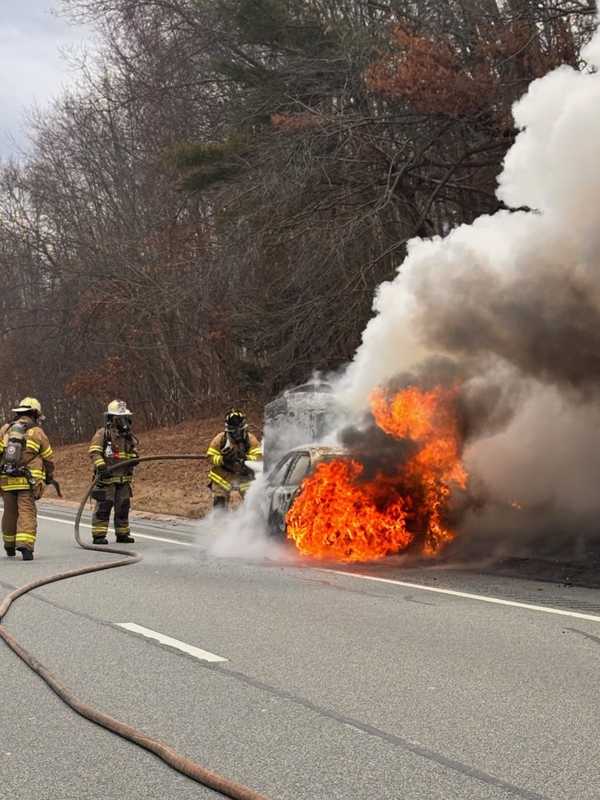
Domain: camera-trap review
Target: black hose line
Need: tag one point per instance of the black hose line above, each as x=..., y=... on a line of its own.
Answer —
x=180, y=763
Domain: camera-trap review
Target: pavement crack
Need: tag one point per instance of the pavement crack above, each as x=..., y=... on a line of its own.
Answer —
x=283, y=694
x=410, y=599
x=346, y=589
x=399, y=741
x=35, y=596
x=585, y=635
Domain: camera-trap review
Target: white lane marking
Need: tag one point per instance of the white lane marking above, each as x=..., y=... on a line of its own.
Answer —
x=139, y=535
x=481, y=597
x=437, y=590
x=197, y=652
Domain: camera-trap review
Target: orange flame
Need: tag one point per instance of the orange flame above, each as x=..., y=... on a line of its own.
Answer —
x=340, y=516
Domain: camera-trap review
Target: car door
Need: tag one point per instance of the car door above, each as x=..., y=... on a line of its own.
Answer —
x=274, y=483
x=296, y=473
x=289, y=474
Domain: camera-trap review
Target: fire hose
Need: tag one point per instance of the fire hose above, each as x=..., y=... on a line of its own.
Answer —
x=181, y=764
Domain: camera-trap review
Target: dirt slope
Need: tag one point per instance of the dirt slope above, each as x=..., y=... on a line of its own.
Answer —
x=165, y=488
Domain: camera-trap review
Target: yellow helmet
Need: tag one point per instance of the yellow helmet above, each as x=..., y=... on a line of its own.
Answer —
x=118, y=408
x=29, y=404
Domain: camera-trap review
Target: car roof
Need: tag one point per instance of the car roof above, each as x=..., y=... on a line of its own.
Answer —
x=316, y=450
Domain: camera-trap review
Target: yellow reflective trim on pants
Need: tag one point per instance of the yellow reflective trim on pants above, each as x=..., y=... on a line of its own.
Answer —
x=9, y=538
x=27, y=538
x=220, y=481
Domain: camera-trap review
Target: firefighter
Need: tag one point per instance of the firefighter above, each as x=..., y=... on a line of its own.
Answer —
x=229, y=451
x=25, y=465
x=113, y=444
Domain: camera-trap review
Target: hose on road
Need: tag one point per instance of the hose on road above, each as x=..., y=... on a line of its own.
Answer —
x=173, y=759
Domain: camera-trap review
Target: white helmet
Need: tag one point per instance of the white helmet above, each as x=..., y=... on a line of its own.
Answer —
x=118, y=408
x=118, y=413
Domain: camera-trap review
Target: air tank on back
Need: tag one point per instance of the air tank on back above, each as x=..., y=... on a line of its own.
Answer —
x=305, y=414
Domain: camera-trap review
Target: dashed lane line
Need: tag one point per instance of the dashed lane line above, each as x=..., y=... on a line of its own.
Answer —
x=196, y=652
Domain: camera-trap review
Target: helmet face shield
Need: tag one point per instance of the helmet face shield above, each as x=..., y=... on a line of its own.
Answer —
x=123, y=422
x=236, y=425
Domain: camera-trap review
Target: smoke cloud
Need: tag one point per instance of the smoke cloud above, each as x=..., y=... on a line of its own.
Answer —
x=510, y=306
x=242, y=533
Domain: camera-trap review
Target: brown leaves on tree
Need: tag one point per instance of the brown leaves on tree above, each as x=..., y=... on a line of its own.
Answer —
x=432, y=75
x=428, y=75
x=105, y=379
x=208, y=215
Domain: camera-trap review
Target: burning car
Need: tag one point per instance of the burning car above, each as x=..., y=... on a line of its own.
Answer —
x=285, y=480
x=388, y=490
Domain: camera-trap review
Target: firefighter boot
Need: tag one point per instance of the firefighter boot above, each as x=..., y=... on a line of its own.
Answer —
x=102, y=540
x=220, y=501
x=10, y=552
x=125, y=539
x=27, y=554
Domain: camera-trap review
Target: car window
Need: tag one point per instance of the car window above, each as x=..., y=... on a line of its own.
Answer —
x=328, y=457
x=278, y=474
x=299, y=470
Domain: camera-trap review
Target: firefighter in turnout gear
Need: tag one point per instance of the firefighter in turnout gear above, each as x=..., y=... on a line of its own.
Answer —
x=25, y=465
x=229, y=451
x=113, y=444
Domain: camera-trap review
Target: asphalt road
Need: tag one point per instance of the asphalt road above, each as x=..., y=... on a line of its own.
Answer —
x=382, y=685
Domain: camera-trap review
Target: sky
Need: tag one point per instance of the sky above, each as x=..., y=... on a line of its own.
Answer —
x=33, y=68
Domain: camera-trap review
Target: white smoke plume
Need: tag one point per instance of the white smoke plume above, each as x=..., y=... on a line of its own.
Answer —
x=513, y=301
x=242, y=533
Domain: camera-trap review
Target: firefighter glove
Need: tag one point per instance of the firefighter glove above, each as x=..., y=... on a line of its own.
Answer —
x=102, y=472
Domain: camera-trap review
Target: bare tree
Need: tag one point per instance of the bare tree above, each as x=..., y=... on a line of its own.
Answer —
x=205, y=219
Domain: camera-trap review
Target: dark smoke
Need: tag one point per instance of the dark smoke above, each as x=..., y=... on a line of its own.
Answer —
x=546, y=324
x=509, y=307
x=379, y=453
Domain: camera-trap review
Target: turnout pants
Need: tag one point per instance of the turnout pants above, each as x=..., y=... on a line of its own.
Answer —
x=117, y=496
x=222, y=482
x=19, y=520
